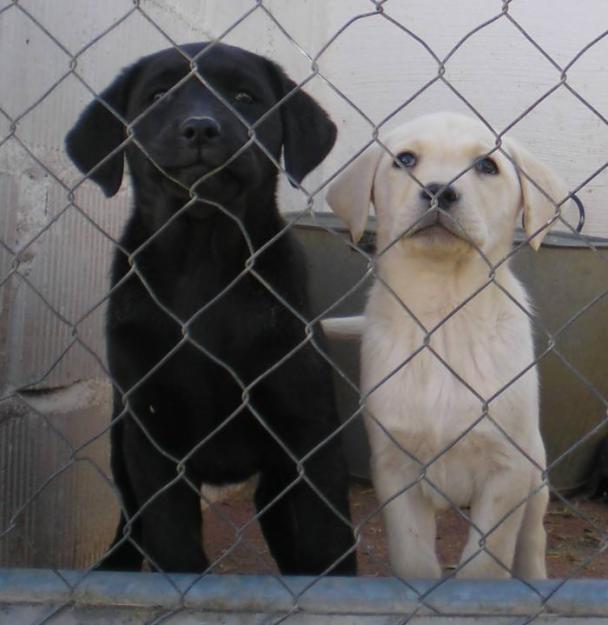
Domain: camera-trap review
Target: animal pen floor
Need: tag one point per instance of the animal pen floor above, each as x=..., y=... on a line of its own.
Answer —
x=572, y=540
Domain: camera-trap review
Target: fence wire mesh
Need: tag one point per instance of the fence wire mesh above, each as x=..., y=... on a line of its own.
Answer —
x=227, y=517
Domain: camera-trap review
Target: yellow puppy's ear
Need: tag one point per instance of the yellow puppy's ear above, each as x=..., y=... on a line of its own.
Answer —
x=350, y=194
x=539, y=208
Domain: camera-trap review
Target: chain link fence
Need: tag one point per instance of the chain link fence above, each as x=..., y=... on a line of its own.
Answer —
x=60, y=502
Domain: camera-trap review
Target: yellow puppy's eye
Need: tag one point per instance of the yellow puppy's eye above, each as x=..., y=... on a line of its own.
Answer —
x=405, y=159
x=486, y=165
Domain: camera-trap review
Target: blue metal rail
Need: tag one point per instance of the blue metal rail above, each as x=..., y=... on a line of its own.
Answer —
x=33, y=596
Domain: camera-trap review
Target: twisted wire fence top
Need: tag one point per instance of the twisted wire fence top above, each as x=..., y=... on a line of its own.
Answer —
x=372, y=64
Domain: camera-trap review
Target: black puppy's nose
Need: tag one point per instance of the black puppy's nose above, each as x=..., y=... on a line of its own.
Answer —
x=446, y=195
x=199, y=130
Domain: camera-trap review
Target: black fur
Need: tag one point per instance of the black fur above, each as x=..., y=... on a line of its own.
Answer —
x=598, y=484
x=192, y=337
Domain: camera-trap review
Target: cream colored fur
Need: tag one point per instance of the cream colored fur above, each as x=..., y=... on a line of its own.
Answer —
x=441, y=342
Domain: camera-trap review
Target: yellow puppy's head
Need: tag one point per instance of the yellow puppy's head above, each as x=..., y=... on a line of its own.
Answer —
x=442, y=188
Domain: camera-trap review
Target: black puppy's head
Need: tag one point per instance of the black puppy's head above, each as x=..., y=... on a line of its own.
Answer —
x=181, y=129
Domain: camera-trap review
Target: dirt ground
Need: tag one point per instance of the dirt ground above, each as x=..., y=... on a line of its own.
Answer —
x=574, y=535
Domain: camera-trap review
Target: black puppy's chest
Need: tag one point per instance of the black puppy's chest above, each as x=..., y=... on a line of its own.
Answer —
x=226, y=314
x=205, y=323
x=199, y=293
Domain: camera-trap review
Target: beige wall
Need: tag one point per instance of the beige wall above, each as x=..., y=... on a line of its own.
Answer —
x=372, y=62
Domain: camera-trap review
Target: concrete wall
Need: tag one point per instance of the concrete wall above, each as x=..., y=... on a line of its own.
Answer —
x=370, y=60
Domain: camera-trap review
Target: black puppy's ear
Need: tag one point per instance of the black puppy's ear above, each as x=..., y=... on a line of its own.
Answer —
x=309, y=134
x=98, y=132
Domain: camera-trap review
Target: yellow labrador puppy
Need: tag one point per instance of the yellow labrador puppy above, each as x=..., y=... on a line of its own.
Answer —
x=447, y=353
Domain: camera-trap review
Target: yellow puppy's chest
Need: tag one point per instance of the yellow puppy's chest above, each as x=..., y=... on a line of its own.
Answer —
x=432, y=398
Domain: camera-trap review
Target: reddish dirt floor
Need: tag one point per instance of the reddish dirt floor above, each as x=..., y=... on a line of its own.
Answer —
x=574, y=531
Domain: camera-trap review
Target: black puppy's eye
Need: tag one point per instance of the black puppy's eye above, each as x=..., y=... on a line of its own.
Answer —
x=157, y=95
x=405, y=159
x=486, y=165
x=244, y=97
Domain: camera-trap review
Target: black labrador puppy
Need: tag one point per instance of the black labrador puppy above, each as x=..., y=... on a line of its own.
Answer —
x=217, y=376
